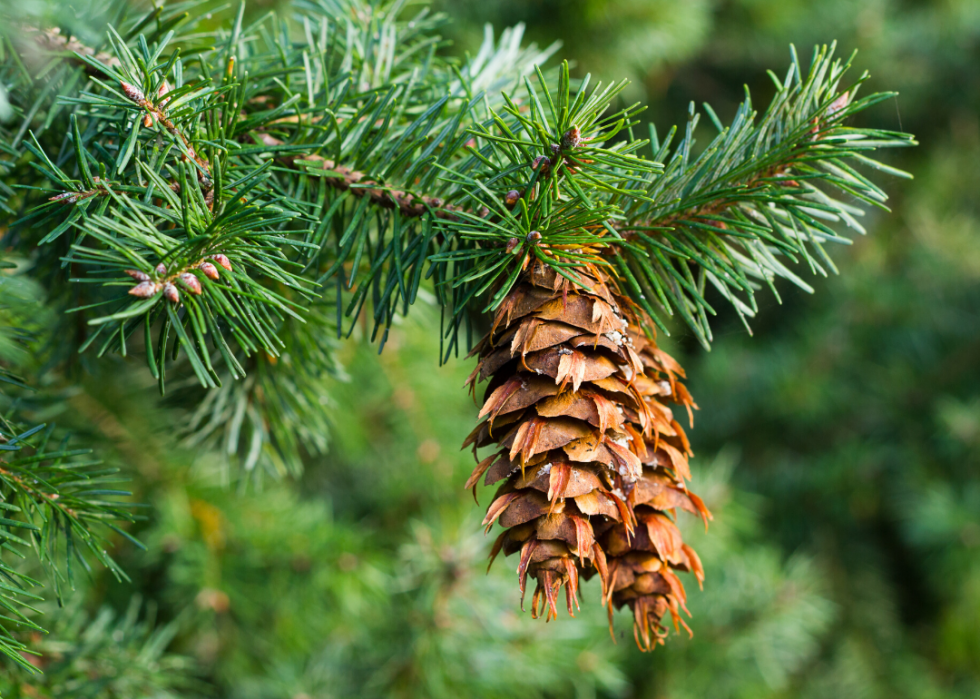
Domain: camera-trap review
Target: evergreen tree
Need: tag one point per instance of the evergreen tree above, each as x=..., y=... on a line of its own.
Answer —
x=225, y=202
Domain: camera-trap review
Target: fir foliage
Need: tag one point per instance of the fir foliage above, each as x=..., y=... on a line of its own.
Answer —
x=242, y=175
x=287, y=177
x=107, y=655
x=351, y=156
x=58, y=503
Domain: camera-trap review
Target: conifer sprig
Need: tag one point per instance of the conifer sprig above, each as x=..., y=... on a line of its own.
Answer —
x=351, y=160
x=56, y=504
x=110, y=654
x=59, y=507
x=208, y=196
x=756, y=200
x=763, y=194
x=372, y=149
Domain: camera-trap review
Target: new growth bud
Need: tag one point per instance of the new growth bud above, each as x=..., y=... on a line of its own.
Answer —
x=145, y=290
x=161, y=91
x=571, y=138
x=838, y=104
x=192, y=283
x=132, y=92
x=210, y=271
x=171, y=293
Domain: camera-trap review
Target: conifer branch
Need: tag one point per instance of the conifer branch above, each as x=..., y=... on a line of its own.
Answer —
x=359, y=184
x=260, y=188
x=156, y=112
x=398, y=185
x=53, y=503
x=106, y=653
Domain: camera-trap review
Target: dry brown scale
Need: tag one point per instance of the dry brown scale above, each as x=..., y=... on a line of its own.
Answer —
x=592, y=462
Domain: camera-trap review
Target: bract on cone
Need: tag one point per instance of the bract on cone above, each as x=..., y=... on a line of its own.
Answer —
x=591, y=462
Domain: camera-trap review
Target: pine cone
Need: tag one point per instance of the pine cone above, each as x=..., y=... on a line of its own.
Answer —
x=592, y=462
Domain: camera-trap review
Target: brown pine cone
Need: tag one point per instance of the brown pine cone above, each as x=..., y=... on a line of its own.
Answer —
x=591, y=461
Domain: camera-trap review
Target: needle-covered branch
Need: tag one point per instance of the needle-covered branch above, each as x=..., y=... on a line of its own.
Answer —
x=765, y=193
x=213, y=190
x=225, y=203
x=339, y=113
x=757, y=199
x=106, y=653
x=59, y=506
x=60, y=510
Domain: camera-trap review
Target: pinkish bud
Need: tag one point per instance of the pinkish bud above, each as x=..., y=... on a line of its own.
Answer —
x=533, y=237
x=132, y=92
x=222, y=260
x=137, y=275
x=171, y=293
x=571, y=138
x=192, y=283
x=543, y=162
x=147, y=120
x=145, y=290
x=161, y=269
x=210, y=271
x=838, y=104
x=163, y=90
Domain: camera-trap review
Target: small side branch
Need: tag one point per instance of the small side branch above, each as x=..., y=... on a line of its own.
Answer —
x=345, y=178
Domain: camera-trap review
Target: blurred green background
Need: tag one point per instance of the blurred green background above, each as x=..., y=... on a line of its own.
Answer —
x=839, y=447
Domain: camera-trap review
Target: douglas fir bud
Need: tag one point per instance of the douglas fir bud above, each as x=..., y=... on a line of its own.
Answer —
x=222, y=260
x=132, y=92
x=171, y=293
x=838, y=104
x=161, y=270
x=511, y=198
x=192, y=283
x=210, y=271
x=543, y=162
x=145, y=290
x=137, y=275
x=571, y=138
